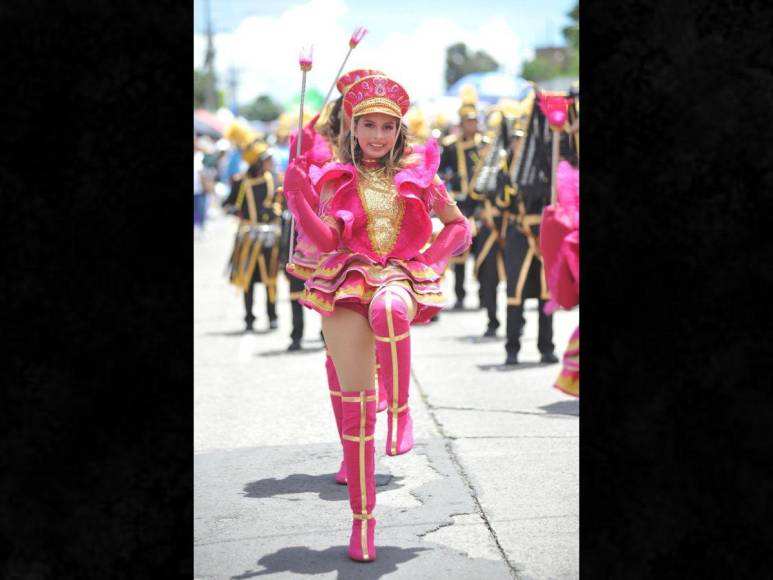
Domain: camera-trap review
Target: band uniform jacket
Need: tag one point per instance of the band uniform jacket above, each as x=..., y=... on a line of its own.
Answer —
x=255, y=254
x=521, y=207
x=462, y=160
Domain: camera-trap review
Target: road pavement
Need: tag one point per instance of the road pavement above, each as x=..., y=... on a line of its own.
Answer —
x=490, y=490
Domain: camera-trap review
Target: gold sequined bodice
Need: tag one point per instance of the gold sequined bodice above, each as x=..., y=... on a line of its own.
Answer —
x=384, y=209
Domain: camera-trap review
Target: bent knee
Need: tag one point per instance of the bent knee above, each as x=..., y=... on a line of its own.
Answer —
x=391, y=307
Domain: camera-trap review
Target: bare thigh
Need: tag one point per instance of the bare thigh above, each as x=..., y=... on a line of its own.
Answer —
x=350, y=342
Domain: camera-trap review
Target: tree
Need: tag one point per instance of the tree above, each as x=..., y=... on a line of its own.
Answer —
x=572, y=32
x=460, y=62
x=542, y=67
x=263, y=108
x=201, y=80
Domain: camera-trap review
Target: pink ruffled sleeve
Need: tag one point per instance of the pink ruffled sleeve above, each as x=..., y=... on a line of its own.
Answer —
x=437, y=194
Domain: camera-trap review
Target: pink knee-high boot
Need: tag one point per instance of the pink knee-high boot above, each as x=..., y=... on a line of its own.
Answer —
x=335, y=400
x=391, y=327
x=383, y=397
x=359, y=426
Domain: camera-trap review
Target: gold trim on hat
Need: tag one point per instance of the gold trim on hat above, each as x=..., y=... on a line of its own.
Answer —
x=377, y=105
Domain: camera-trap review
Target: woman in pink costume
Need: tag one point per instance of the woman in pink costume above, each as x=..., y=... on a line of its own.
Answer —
x=320, y=145
x=560, y=246
x=373, y=281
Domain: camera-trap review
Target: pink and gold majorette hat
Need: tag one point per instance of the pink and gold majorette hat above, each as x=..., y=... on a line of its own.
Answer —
x=376, y=94
x=346, y=81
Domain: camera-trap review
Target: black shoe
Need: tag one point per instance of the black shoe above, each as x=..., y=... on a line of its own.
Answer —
x=273, y=325
x=434, y=318
x=294, y=345
x=248, y=327
x=512, y=359
x=490, y=333
x=549, y=358
x=459, y=305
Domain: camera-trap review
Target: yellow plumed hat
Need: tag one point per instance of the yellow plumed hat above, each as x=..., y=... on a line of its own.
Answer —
x=517, y=109
x=247, y=140
x=240, y=134
x=417, y=123
x=516, y=112
x=254, y=151
x=285, y=125
x=510, y=107
x=494, y=119
x=469, y=107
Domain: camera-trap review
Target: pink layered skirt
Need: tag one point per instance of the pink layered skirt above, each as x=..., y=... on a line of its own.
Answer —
x=351, y=280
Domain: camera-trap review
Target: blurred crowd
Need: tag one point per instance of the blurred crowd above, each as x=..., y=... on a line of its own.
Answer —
x=498, y=161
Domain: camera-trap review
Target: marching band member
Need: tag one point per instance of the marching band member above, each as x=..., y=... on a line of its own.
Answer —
x=255, y=255
x=525, y=191
x=459, y=166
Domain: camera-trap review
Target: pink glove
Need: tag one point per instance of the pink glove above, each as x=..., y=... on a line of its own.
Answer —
x=297, y=189
x=303, y=184
x=454, y=239
x=307, y=142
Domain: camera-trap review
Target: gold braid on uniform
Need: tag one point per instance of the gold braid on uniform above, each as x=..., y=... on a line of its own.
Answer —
x=272, y=271
x=526, y=221
x=478, y=168
x=512, y=189
x=461, y=167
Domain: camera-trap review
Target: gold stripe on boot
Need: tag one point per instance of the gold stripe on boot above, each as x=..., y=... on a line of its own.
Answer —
x=363, y=492
x=395, y=379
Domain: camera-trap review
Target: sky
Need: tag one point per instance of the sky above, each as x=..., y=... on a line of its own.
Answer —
x=407, y=39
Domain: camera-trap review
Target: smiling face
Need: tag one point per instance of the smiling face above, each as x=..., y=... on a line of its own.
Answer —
x=376, y=133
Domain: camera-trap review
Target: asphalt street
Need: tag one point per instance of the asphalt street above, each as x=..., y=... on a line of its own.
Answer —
x=490, y=490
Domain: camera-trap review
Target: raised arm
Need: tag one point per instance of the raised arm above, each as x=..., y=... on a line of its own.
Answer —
x=298, y=191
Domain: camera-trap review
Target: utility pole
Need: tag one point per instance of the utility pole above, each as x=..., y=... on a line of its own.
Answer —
x=233, y=85
x=209, y=62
